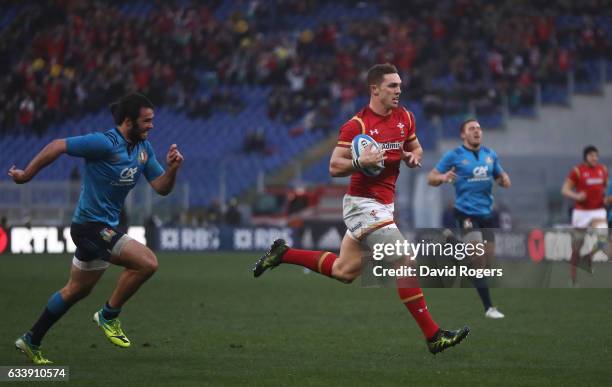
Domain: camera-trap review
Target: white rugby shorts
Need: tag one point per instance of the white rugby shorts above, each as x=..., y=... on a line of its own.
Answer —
x=583, y=218
x=365, y=215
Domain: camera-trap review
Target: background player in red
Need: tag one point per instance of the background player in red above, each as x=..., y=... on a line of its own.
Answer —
x=586, y=185
x=368, y=205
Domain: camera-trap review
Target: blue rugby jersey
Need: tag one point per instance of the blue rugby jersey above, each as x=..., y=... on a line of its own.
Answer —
x=476, y=172
x=112, y=169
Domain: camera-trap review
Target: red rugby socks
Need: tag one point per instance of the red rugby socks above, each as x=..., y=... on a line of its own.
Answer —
x=413, y=298
x=319, y=261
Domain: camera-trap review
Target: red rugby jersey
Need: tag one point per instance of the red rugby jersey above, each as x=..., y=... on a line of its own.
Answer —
x=591, y=180
x=392, y=132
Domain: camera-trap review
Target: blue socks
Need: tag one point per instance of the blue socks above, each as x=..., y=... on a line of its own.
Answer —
x=55, y=309
x=56, y=304
x=110, y=313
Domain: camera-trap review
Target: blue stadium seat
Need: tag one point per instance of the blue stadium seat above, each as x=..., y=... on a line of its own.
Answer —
x=216, y=142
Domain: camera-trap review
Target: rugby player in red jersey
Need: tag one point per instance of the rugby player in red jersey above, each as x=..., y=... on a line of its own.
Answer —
x=586, y=185
x=368, y=205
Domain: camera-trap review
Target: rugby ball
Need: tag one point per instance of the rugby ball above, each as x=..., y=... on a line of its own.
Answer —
x=359, y=144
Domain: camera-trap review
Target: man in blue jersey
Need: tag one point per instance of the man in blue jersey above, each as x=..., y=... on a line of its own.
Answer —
x=114, y=161
x=472, y=168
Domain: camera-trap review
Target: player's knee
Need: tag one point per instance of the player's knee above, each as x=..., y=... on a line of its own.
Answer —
x=150, y=264
x=344, y=276
x=347, y=279
x=149, y=268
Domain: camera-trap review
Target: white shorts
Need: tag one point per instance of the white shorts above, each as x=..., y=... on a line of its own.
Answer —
x=96, y=264
x=364, y=215
x=583, y=218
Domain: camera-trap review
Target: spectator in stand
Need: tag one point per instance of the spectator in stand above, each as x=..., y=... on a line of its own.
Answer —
x=75, y=59
x=255, y=142
x=214, y=216
x=26, y=111
x=233, y=217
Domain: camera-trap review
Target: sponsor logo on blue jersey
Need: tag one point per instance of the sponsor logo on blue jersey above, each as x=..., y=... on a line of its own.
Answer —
x=127, y=176
x=479, y=173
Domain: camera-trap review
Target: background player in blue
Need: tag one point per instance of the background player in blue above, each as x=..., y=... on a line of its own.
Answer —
x=114, y=160
x=471, y=168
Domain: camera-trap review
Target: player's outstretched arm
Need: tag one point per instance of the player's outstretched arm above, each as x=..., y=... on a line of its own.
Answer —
x=164, y=184
x=436, y=178
x=568, y=191
x=46, y=156
x=504, y=180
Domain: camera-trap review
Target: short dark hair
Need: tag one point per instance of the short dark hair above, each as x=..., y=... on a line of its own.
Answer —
x=464, y=123
x=377, y=73
x=588, y=149
x=129, y=107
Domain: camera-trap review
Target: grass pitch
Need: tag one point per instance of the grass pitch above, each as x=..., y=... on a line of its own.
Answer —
x=203, y=320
